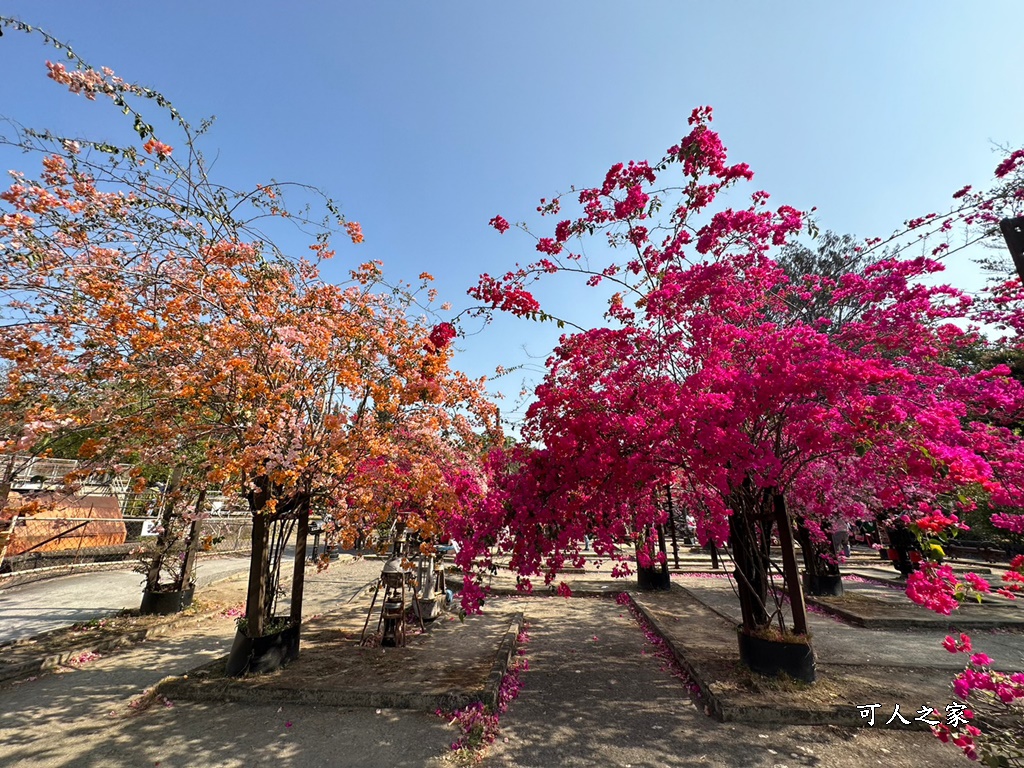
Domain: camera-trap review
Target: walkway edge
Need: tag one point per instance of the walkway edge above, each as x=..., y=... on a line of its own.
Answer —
x=160, y=628
x=746, y=709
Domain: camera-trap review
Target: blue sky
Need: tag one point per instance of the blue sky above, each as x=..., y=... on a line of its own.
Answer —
x=426, y=119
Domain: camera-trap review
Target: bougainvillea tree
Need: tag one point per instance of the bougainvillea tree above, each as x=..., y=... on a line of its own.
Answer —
x=156, y=306
x=709, y=376
x=991, y=730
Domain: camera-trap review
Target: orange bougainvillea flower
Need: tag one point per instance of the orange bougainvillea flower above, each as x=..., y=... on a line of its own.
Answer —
x=355, y=231
x=158, y=148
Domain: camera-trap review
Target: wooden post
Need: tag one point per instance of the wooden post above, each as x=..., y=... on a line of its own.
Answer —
x=6, y=481
x=299, y=566
x=6, y=537
x=661, y=548
x=789, y=566
x=672, y=524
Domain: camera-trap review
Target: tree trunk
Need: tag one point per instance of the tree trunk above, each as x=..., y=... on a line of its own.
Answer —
x=166, y=516
x=192, y=545
x=299, y=566
x=750, y=549
x=789, y=566
x=259, y=559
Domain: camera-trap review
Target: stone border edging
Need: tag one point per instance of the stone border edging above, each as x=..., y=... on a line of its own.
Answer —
x=906, y=622
x=502, y=659
x=19, y=578
x=159, y=628
x=32, y=575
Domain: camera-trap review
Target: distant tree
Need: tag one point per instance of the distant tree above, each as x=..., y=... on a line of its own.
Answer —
x=820, y=272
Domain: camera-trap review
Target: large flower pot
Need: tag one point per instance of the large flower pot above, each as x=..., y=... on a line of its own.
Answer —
x=263, y=654
x=163, y=603
x=651, y=579
x=823, y=585
x=775, y=657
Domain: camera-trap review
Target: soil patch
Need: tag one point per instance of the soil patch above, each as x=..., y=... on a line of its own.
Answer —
x=448, y=666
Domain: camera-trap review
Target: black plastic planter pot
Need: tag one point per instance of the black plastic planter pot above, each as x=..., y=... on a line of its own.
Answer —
x=823, y=585
x=773, y=657
x=651, y=579
x=165, y=603
x=263, y=654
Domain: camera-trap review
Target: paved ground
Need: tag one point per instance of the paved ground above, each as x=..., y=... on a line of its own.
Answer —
x=595, y=694
x=30, y=609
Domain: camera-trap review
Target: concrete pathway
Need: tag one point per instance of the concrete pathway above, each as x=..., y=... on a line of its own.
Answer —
x=82, y=716
x=40, y=606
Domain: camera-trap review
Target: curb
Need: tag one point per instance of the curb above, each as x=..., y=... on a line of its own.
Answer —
x=502, y=659
x=31, y=576
x=20, y=578
x=578, y=590
x=867, y=622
